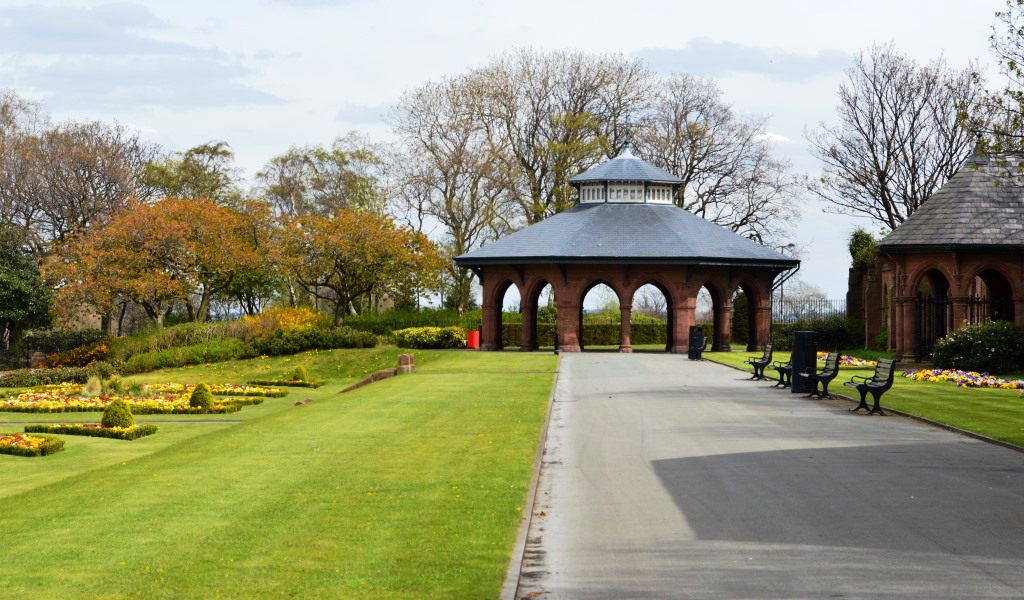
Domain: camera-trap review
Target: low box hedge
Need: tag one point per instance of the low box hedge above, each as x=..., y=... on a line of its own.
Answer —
x=20, y=444
x=286, y=383
x=33, y=377
x=91, y=430
x=431, y=338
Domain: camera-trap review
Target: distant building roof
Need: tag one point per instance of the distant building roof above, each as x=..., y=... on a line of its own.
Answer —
x=626, y=233
x=625, y=168
x=981, y=207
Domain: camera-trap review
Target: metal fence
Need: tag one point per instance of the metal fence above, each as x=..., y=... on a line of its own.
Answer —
x=788, y=310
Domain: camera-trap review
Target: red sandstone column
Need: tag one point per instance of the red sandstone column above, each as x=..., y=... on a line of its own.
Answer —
x=959, y=312
x=625, y=344
x=684, y=317
x=489, y=327
x=906, y=342
x=528, y=343
x=1018, y=312
x=723, y=327
x=762, y=332
x=568, y=328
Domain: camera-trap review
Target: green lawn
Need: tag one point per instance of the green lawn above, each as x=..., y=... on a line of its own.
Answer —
x=995, y=413
x=412, y=487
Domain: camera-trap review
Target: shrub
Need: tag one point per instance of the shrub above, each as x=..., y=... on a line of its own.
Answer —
x=198, y=354
x=281, y=342
x=83, y=356
x=93, y=387
x=300, y=374
x=118, y=414
x=286, y=383
x=431, y=337
x=393, y=320
x=34, y=377
x=201, y=397
x=131, y=433
x=994, y=347
x=833, y=333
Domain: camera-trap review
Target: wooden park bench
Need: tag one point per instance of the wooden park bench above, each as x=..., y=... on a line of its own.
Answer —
x=877, y=384
x=824, y=376
x=785, y=370
x=759, y=363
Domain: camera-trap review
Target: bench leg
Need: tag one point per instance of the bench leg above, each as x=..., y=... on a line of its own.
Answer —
x=815, y=391
x=863, y=402
x=877, y=410
x=824, y=391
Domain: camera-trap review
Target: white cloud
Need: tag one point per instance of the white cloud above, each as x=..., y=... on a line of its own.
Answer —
x=703, y=56
x=358, y=114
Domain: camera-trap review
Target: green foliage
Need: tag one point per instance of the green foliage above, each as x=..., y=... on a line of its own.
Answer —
x=117, y=414
x=286, y=383
x=291, y=342
x=437, y=338
x=201, y=397
x=740, y=333
x=994, y=347
x=863, y=247
x=34, y=377
x=386, y=322
x=300, y=374
x=132, y=433
x=882, y=339
x=24, y=300
x=198, y=354
x=62, y=340
x=834, y=333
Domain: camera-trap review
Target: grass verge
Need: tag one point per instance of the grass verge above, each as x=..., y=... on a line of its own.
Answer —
x=995, y=413
x=410, y=488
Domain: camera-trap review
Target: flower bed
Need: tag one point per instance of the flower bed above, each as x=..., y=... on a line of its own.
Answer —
x=218, y=389
x=850, y=361
x=20, y=444
x=57, y=401
x=287, y=383
x=965, y=378
x=95, y=430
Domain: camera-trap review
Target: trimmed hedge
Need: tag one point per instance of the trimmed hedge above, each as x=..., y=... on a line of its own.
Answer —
x=431, y=338
x=33, y=377
x=834, y=333
x=394, y=320
x=50, y=445
x=120, y=433
x=594, y=334
x=197, y=354
x=286, y=383
x=281, y=342
x=994, y=347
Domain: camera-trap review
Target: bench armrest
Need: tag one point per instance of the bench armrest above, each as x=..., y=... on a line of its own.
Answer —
x=862, y=378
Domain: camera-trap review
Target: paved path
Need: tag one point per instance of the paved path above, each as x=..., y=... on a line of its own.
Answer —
x=664, y=478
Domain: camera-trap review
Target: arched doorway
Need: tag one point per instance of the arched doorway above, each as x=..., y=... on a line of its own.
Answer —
x=504, y=292
x=721, y=314
x=744, y=318
x=990, y=298
x=934, y=311
x=651, y=319
x=540, y=317
x=600, y=318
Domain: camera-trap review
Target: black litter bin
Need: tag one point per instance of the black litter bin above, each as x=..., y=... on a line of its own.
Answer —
x=696, y=347
x=805, y=358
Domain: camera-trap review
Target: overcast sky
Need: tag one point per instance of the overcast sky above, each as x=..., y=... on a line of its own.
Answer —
x=265, y=75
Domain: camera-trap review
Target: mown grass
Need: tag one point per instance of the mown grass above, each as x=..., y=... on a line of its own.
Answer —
x=996, y=413
x=412, y=487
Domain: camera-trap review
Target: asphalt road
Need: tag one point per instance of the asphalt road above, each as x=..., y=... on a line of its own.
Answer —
x=665, y=478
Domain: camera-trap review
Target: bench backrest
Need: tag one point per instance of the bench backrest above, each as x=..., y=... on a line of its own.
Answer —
x=885, y=371
x=831, y=363
x=767, y=352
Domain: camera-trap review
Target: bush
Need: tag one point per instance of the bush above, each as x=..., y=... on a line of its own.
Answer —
x=117, y=414
x=63, y=340
x=93, y=387
x=197, y=354
x=300, y=374
x=394, y=320
x=131, y=433
x=34, y=377
x=281, y=342
x=994, y=347
x=834, y=333
x=83, y=356
x=286, y=383
x=201, y=397
x=435, y=338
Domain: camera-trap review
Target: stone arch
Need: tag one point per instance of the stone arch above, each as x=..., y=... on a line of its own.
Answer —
x=756, y=318
x=530, y=305
x=492, y=317
x=579, y=303
x=934, y=309
x=721, y=311
x=670, y=341
x=990, y=295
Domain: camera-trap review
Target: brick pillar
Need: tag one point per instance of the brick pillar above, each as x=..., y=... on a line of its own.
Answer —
x=528, y=343
x=959, y=312
x=723, y=327
x=625, y=344
x=1018, y=312
x=761, y=332
x=906, y=329
x=684, y=317
x=568, y=328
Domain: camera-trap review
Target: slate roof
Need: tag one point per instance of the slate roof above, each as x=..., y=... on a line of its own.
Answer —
x=980, y=208
x=625, y=167
x=626, y=234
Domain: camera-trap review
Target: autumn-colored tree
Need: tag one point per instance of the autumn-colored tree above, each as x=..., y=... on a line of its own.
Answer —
x=173, y=250
x=353, y=254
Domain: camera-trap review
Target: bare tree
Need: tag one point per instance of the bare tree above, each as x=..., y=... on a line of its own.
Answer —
x=319, y=180
x=550, y=116
x=727, y=164
x=1006, y=127
x=903, y=129
x=444, y=170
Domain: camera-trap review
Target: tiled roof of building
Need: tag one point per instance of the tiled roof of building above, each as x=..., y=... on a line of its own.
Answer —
x=626, y=233
x=980, y=207
x=626, y=167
